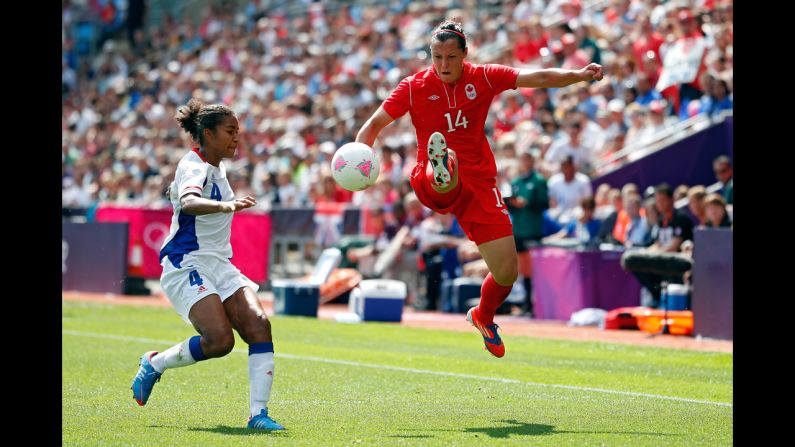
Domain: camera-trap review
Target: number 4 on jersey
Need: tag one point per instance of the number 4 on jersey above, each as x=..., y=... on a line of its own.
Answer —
x=460, y=121
x=215, y=194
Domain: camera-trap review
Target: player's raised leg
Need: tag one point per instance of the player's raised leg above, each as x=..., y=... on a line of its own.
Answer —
x=216, y=340
x=500, y=257
x=251, y=322
x=442, y=164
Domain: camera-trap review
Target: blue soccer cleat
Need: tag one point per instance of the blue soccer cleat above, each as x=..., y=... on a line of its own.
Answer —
x=263, y=422
x=145, y=380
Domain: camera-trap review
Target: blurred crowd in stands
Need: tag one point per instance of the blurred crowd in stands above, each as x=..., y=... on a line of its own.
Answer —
x=303, y=76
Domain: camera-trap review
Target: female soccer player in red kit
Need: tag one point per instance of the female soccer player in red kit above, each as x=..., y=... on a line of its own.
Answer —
x=456, y=172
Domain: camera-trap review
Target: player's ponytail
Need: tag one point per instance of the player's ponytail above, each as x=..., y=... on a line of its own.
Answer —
x=186, y=117
x=196, y=116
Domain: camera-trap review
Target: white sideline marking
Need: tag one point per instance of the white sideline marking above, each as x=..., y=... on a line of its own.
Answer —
x=412, y=370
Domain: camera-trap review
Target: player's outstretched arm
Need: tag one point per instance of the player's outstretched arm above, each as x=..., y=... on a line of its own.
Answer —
x=373, y=126
x=198, y=206
x=558, y=77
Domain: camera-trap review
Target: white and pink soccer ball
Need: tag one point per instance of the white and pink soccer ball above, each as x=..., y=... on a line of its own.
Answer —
x=355, y=166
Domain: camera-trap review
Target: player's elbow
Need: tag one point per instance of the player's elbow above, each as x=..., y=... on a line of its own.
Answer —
x=188, y=203
x=373, y=126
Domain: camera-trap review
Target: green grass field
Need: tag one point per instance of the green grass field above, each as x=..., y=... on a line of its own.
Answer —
x=383, y=384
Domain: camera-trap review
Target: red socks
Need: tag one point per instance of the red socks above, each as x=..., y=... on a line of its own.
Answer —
x=491, y=296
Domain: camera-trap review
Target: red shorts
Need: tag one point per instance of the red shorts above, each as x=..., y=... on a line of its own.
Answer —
x=480, y=233
x=478, y=208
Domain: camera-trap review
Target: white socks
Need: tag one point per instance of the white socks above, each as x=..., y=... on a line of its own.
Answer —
x=260, y=367
x=260, y=376
x=174, y=357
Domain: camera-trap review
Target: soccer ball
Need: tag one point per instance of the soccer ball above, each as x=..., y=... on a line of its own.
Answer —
x=355, y=166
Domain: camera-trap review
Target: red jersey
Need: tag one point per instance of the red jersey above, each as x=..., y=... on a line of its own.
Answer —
x=458, y=111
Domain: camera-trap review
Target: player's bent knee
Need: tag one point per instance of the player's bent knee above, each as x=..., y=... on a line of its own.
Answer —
x=226, y=345
x=220, y=344
x=507, y=276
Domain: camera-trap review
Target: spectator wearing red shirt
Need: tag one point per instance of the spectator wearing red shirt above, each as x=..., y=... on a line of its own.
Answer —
x=573, y=57
x=648, y=39
x=689, y=30
x=330, y=191
x=530, y=39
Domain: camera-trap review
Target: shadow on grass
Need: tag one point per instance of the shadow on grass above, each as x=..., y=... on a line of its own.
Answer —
x=516, y=428
x=240, y=431
x=525, y=429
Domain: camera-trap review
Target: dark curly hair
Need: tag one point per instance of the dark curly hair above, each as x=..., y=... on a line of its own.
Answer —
x=196, y=116
x=440, y=36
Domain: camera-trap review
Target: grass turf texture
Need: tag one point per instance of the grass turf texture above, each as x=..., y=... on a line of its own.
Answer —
x=341, y=403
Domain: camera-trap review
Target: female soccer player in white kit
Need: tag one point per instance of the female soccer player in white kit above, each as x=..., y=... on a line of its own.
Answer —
x=198, y=276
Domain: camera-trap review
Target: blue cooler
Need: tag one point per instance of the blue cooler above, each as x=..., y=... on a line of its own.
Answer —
x=294, y=297
x=378, y=300
x=676, y=297
x=459, y=294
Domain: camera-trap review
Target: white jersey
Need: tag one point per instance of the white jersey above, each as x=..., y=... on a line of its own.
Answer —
x=208, y=234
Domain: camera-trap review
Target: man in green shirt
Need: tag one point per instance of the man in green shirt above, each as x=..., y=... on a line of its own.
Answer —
x=527, y=203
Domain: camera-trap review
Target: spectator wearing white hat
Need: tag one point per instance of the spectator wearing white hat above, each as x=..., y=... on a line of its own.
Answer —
x=657, y=120
x=617, y=124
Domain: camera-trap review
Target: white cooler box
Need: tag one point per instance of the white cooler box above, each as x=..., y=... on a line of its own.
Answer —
x=378, y=300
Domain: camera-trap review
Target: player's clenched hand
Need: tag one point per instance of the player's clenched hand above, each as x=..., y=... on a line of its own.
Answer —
x=592, y=72
x=239, y=204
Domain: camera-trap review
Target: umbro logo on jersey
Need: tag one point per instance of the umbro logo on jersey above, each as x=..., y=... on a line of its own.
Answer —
x=433, y=97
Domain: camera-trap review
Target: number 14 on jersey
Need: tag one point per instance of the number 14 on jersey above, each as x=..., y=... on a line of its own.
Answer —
x=460, y=121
